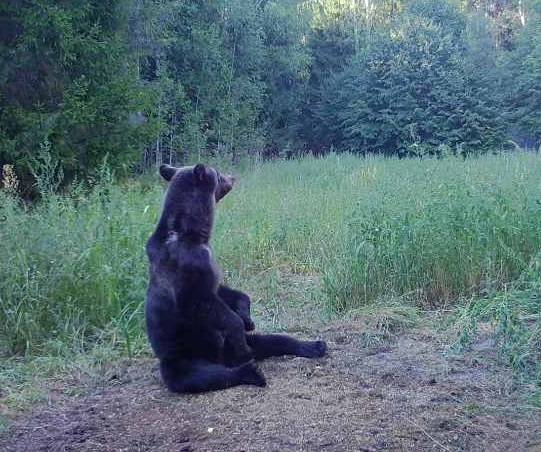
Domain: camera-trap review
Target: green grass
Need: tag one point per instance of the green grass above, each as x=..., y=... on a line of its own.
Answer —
x=512, y=319
x=340, y=232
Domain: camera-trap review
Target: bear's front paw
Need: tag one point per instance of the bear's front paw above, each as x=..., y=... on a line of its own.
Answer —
x=313, y=349
x=251, y=375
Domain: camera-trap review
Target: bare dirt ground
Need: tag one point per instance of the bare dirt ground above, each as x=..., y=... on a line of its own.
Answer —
x=406, y=394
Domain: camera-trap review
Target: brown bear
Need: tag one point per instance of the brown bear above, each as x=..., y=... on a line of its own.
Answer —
x=198, y=327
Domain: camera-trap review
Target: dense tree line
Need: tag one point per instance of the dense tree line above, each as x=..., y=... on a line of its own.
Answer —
x=144, y=81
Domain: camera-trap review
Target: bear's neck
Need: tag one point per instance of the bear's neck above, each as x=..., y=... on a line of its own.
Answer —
x=192, y=232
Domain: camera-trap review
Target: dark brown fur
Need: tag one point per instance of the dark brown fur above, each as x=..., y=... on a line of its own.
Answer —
x=197, y=326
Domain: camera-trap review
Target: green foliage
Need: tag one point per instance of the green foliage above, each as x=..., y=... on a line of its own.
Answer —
x=523, y=78
x=285, y=73
x=66, y=78
x=512, y=319
x=230, y=74
x=147, y=81
x=74, y=271
x=215, y=55
x=413, y=89
x=439, y=231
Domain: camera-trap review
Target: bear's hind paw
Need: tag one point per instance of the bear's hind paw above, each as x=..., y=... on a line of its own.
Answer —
x=251, y=375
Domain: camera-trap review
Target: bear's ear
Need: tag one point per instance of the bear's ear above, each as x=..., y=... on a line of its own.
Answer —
x=200, y=172
x=167, y=172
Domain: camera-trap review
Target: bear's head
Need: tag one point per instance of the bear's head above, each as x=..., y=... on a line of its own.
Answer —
x=191, y=197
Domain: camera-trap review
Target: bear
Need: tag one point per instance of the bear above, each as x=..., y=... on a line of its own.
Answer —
x=200, y=329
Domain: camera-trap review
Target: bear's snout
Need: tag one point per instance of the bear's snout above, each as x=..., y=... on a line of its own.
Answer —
x=225, y=184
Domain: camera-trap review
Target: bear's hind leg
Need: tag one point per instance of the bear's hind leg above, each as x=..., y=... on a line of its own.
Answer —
x=267, y=345
x=185, y=376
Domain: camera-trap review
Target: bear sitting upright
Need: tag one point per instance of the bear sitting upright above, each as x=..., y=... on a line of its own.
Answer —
x=197, y=326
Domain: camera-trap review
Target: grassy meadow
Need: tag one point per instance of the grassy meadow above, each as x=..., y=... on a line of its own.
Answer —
x=336, y=235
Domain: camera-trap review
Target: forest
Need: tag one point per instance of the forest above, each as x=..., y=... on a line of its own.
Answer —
x=140, y=82
x=387, y=200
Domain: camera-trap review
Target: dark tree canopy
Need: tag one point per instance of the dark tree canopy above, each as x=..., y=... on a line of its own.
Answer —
x=145, y=81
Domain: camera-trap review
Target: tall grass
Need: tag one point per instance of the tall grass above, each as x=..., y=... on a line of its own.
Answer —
x=512, y=316
x=73, y=270
x=437, y=230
